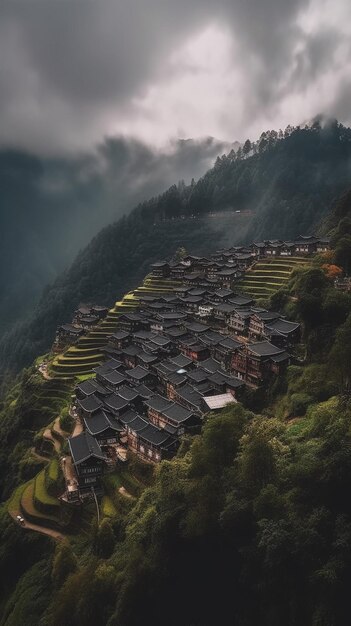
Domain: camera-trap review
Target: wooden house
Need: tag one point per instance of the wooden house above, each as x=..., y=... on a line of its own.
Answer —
x=160, y=269
x=131, y=322
x=305, y=245
x=257, y=323
x=68, y=333
x=120, y=339
x=99, y=311
x=104, y=428
x=140, y=375
x=255, y=363
x=239, y=321
x=88, y=406
x=88, y=460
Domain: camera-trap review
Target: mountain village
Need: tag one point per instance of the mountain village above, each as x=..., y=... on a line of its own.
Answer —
x=179, y=352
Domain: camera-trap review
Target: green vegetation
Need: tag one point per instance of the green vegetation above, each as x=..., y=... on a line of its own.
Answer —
x=286, y=186
x=249, y=524
x=269, y=275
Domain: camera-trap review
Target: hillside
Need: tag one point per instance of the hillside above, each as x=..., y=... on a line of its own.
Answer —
x=248, y=524
x=51, y=206
x=284, y=186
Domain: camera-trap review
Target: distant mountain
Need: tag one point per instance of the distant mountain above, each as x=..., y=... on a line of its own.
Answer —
x=284, y=188
x=51, y=207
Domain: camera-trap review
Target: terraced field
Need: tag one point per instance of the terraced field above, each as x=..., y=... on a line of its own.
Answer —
x=80, y=358
x=269, y=275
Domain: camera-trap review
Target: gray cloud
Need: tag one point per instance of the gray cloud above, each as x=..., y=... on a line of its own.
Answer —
x=74, y=70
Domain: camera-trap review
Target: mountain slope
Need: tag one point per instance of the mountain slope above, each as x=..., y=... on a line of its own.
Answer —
x=284, y=188
x=50, y=207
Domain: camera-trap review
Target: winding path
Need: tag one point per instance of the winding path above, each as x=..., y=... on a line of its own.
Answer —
x=54, y=534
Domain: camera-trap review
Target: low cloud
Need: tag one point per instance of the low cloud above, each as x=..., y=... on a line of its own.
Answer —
x=73, y=71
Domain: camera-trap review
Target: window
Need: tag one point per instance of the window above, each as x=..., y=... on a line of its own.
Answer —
x=142, y=449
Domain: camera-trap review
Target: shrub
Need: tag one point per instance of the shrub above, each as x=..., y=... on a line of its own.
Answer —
x=299, y=403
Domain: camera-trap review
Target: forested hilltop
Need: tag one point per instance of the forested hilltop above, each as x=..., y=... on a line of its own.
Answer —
x=249, y=524
x=283, y=184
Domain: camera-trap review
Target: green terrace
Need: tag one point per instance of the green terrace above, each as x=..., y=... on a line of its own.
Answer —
x=80, y=358
x=268, y=275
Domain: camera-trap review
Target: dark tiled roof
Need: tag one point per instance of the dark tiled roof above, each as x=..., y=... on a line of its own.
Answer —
x=279, y=358
x=114, y=364
x=264, y=348
x=268, y=315
x=144, y=391
x=120, y=334
x=210, y=365
x=157, y=436
x=158, y=403
x=131, y=350
x=223, y=293
x=240, y=300
x=99, y=388
x=284, y=326
x=69, y=328
x=127, y=417
x=83, y=447
x=102, y=369
x=177, y=413
x=138, y=373
x=86, y=387
x=198, y=375
x=100, y=422
x=128, y=393
x=138, y=424
x=115, y=402
x=181, y=360
x=159, y=340
x=230, y=343
x=189, y=394
x=114, y=378
x=90, y=404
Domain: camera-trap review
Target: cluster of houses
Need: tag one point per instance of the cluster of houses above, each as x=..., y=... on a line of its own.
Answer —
x=172, y=360
x=226, y=266
x=84, y=319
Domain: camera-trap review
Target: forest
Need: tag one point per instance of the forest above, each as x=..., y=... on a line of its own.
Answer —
x=287, y=180
x=250, y=523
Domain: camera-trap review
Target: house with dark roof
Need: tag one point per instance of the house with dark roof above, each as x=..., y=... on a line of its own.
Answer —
x=224, y=350
x=88, y=460
x=130, y=354
x=255, y=363
x=257, y=323
x=89, y=405
x=131, y=322
x=120, y=339
x=160, y=269
x=240, y=301
x=190, y=398
x=284, y=332
x=181, y=361
x=221, y=295
x=154, y=444
x=104, y=427
x=140, y=375
x=116, y=404
x=85, y=389
x=68, y=333
x=196, y=351
x=112, y=379
x=239, y=321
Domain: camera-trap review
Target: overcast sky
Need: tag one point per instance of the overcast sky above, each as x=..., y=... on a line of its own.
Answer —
x=75, y=71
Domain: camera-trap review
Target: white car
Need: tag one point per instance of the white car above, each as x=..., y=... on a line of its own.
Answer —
x=20, y=519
